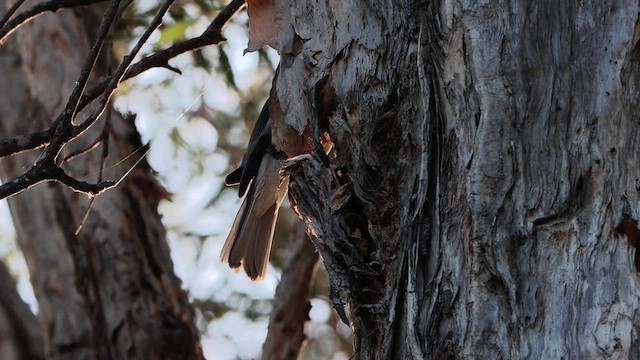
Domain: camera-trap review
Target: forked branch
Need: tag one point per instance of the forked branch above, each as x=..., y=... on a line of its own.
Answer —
x=64, y=129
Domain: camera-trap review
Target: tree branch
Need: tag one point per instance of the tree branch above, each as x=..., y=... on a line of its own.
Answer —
x=44, y=170
x=38, y=139
x=291, y=309
x=108, y=19
x=122, y=69
x=10, y=12
x=63, y=130
x=9, y=26
x=211, y=36
x=20, y=143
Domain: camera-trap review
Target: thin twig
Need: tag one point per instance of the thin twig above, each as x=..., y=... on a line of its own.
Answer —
x=54, y=5
x=63, y=130
x=105, y=154
x=93, y=145
x=85, y=216
x=108, y=19
x=102, y=138
x=45, y=168
x=211, y=36
x=10, y=12
x=120, y=72
x=46, y=172
x=223, y=16
x=83, y=186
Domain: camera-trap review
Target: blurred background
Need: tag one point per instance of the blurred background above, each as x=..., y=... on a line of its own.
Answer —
x=198, y=125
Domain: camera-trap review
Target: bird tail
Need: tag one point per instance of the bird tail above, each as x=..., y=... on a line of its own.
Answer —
x=249, y=241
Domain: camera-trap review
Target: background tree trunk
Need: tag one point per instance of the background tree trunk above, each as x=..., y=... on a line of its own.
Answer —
x=286, y=334
x=20, y=332
x=108, y=292
x=484, y=155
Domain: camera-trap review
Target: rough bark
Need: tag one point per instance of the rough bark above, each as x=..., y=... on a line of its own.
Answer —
x=285, y=336
x=109, y=291
x=484, y=154
x=20, y=332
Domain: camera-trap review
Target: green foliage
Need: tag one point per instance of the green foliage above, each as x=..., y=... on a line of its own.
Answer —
x=225, y=67
x=174, y=32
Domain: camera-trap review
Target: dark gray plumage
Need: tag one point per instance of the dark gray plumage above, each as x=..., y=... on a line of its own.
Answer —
x=249, y=241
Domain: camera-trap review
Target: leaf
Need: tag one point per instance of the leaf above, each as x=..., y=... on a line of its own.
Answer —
x=176, y=138
x=225, y=67
x=174, y=32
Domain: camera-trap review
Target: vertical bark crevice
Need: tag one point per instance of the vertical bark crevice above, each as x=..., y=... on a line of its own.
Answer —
x=383, y=134
x=539, y=174
x=509, y=160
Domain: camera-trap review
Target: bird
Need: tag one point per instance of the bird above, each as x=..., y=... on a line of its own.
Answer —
x=259, y=177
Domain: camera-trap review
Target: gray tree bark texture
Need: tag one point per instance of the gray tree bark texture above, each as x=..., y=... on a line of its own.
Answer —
x=484, y=154
x=20, y=332
x=108, y=292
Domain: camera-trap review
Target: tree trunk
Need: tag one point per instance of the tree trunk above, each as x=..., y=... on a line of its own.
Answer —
x=108, y=292
x=286, y=335
x=20, y=333
x=483, y=157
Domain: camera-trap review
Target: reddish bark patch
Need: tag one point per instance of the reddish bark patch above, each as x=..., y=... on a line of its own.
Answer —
x=59, y=41
x=262, y=24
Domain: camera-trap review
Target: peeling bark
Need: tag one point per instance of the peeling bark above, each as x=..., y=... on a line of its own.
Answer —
x=484, y=154
x=109, y=291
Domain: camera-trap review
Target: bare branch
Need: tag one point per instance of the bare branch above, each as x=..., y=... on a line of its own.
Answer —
x=211, y=36
x=45, y=170
x=8, y=26
x=66, y=130
x=93, y=145
x=38, y=139
x=120, y=72
x=105, y=154
x=223, y=16
x=82, y=186
x=63, y=130
x=17, y=144
x=108, y=19
x=10, y=12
